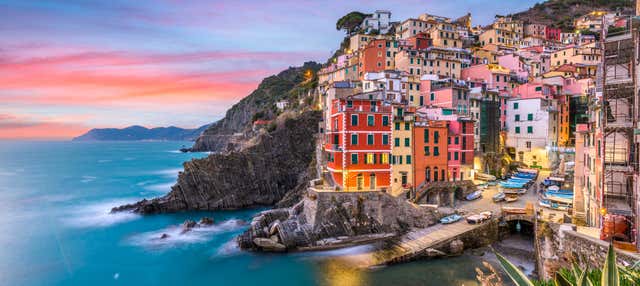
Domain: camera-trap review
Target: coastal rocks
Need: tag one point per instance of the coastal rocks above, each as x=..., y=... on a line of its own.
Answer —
x=164, y=236
x=261, y=174
x=456, y=247
x=430, y=252
x=267, y=244
x=206, y=221
x=324, y=220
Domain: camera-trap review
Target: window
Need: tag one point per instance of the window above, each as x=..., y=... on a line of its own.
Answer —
x=385, y=139
x=530, y=116
x=455, y=155
x=397, y=125
x=515, y=105
x=517, y=117
x=497, y=78
x=354, y=120
x=528, y=144
x=530, y=129
x=370, y=158
x=456, y=140
x=371, y=120
x=370, y=139
x=426, y=151
x=354, y=139
x=384, y=158
x=436, y=137
x=408, y=159
x=349, y=103
x=426, y=135
x=385, y=120
x=336, y=139
x=448, y=155
x=354, y=158
x=517, y=129
x=433, y=96
x=436, y=151
x=407, y=142
x=407, y=126
x=396, y=142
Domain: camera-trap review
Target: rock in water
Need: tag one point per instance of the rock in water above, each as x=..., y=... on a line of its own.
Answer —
x=187, y=225
x=456, y=247
x=261, y=174
x=206, y=221
x=164, y=235
x=268, y=244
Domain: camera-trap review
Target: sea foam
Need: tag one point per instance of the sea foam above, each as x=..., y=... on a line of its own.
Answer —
x=98, y=215
x=176, y=237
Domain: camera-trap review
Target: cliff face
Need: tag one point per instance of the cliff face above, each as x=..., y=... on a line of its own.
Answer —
x=261, y=174
x=260, y=104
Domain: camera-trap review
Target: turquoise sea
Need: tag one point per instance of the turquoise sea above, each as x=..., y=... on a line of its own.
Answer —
x=55, y=227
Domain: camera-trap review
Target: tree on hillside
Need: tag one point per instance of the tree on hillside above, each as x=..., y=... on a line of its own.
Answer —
x=351, y=21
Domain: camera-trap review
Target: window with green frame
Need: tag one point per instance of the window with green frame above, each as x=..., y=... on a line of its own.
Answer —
x=349, y=103
x=397, y=127
x=385, y=120
x=407, y=126
x=436, y=137
x=515, y=105
x=426, y=135
x=385, y=139
x=354, y=158
x=370, y=139
x=436, y=151
x=426, y=151
x=396, y=142
x=354, y=139
x=354, y=120
x=455, y=155
x=371, y=120
x=408, y=159
x=530, y=129
x=407, y=142
x=517, y=117
x=517, y=129
x=530, y=116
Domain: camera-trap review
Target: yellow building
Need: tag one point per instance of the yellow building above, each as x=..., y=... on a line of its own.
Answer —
x=445, y=35
x=586, y=54
x=402, y=152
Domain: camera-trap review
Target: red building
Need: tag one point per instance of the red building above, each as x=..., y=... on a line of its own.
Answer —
x=358, y=144
x=430, y=147
x=421, y=41
x=552, y=34
x=374, y=57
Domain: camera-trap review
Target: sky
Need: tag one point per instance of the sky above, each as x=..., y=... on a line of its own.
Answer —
x=68, y=66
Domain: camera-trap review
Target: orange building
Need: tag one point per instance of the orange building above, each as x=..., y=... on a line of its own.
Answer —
x=430, y=151
x=376, y=57
x=358, y=144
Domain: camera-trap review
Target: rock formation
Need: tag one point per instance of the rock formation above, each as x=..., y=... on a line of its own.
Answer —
x=334, y=219
x=261, y=174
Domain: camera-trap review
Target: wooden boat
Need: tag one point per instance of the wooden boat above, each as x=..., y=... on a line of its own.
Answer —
x=498, y=197
x=511, y=198
x=473, y=196
x=450, y=219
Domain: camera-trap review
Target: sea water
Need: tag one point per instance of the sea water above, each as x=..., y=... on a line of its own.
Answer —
x=56, y=228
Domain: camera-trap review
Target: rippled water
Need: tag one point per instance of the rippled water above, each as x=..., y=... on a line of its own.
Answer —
x=56, y=228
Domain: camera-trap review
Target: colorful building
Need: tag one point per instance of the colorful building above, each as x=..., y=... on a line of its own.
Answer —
x=402, y=150
x=430, y=150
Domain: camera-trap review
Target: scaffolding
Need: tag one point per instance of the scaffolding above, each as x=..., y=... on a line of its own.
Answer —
x=619, y=163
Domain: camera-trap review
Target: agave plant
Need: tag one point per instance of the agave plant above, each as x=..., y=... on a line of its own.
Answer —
x=610, y=275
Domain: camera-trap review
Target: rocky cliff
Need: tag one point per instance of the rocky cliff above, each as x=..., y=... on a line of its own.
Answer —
x=289, y=84
x=334, y=219
x=277, y=162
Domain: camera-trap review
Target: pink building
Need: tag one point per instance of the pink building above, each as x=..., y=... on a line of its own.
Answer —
x=445, y=93
x=460, y=149
x=515, y=64
x=494, y=76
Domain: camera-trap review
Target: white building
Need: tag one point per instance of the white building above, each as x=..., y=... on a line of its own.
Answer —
x=391, y=83
x=282, y=104
x=532, y=129
x=379, y=21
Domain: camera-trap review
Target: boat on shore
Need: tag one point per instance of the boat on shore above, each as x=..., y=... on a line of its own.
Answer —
x=511, y=198
x=499, y=197
x=450, y=219
x=474, y=196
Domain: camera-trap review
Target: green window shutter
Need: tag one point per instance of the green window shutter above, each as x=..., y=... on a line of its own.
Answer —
x=530, y=116
x=455, y=155
x=408, y=159
x=407, y=126
x=530, y=129
x=426, y=150
x=354, y=120
x=407, y=142
x=354, y=139
x=397, y=125
x=517, y=129
x=517, y=117
x=385, y=139
x=515, y=105
x=396, y=142
x=385, y=120
x=436, y=137
x=354, y=158
x=426, y=135
x=371, y=120
x=349, y=103
x=370, y=139
x=400, y=160
x=436, y=151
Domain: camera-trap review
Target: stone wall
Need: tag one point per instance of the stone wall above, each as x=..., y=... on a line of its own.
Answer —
x=560, y=245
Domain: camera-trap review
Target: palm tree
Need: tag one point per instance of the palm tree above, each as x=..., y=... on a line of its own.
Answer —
x=610, y=274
